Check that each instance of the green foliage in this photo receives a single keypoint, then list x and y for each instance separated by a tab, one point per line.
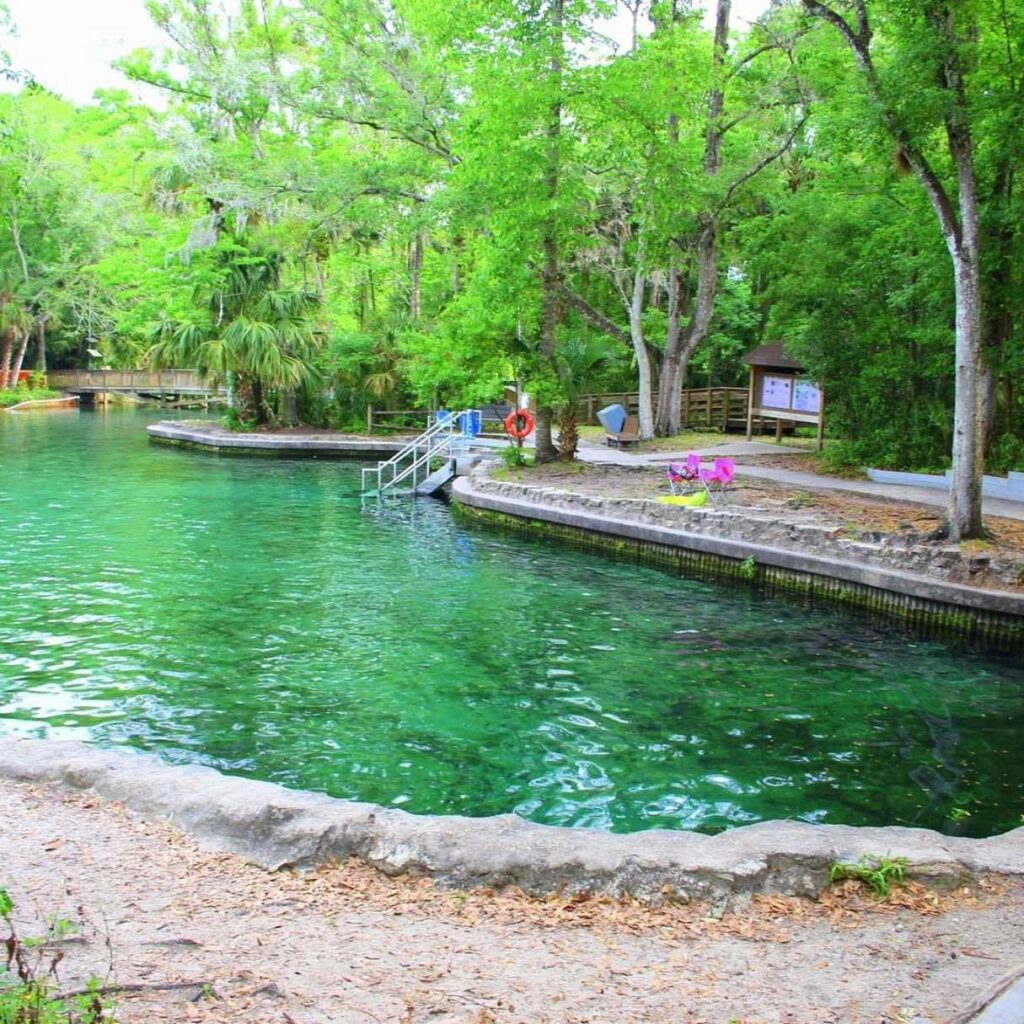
515	457
880	873
250	329
748	568
28	980
373	201
14	396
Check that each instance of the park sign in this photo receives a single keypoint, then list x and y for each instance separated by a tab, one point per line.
780	392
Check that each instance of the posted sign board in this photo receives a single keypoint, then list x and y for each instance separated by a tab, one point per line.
783	395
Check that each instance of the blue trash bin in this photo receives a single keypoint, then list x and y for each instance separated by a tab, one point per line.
612	418
469	423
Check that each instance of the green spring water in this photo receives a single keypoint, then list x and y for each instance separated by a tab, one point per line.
258	616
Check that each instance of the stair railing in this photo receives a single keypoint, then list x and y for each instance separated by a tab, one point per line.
444	439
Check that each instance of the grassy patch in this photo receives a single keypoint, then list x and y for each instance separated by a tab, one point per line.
685	441
28	982
15	396
878	873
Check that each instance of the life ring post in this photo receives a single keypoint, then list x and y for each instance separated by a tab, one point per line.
520	424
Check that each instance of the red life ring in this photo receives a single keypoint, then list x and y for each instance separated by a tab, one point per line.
519	424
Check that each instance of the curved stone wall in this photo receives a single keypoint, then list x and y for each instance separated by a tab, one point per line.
277	827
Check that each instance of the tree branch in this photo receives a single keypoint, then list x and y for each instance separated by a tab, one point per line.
759	166
859	42
593	316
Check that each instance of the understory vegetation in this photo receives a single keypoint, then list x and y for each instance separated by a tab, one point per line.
345	203
29	979
24	393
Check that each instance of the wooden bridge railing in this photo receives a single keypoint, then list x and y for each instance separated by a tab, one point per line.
169	381
701	407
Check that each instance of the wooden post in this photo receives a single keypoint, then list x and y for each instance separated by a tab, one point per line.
369	419
778	430
750	406
821	420
686	407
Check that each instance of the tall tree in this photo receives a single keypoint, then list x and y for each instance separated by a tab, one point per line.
949	30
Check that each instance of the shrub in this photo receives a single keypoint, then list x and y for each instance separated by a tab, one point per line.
28	993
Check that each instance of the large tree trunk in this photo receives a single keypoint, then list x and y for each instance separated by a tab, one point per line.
680	346
965	519
568	434
290	408
959	223
645	410
19	357
551	312
6	347
41	344
246	401
666	420
259	401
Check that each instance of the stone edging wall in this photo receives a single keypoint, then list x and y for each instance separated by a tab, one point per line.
785	556
277	827
295	445
42	404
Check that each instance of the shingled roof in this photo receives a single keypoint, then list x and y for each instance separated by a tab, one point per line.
772	354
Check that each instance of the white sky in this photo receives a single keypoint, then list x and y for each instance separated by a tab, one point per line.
68	45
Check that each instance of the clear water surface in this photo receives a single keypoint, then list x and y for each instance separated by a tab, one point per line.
256	615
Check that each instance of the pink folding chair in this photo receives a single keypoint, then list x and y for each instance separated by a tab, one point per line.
684	476
718	477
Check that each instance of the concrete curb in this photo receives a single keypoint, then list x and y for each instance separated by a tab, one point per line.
1007	488
43	404
917	587
277	827
295	444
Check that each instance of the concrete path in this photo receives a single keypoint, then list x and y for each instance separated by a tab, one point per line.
592	451
597	455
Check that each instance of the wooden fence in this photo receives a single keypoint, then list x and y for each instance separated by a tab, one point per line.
410	421
701	407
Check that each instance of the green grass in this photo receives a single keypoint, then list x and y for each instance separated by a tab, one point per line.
15	396
680	442
880	873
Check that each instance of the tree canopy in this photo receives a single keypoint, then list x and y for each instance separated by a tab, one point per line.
451	196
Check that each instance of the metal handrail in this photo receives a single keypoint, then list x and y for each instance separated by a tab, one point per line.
443	437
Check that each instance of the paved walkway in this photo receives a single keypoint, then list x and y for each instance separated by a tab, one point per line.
598	455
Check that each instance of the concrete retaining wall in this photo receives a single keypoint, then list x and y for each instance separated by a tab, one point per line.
293	445
717	542
277	827
44	404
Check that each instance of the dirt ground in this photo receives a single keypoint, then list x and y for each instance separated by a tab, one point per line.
857	515
147	907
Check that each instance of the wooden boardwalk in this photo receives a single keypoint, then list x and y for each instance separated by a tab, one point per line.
139	382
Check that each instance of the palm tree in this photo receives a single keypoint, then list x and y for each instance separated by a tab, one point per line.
252	330
577	363
15	324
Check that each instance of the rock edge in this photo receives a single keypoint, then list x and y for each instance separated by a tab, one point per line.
276	827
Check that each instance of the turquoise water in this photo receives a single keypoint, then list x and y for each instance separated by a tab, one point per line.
256	616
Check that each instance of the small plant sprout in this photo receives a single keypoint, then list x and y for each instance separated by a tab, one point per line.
29	992
880	873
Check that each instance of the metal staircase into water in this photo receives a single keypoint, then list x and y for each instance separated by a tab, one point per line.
443	441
